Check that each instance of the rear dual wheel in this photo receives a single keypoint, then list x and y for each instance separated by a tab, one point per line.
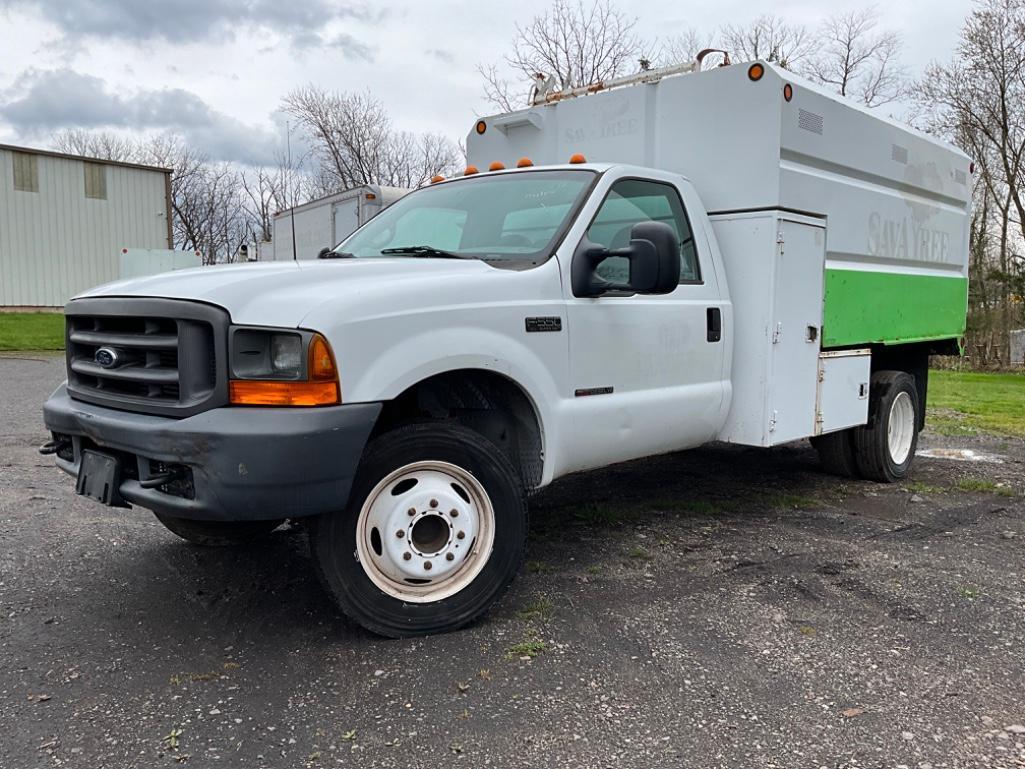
433	534
884	448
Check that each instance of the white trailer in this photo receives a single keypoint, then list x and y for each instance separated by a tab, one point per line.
728	255
327	221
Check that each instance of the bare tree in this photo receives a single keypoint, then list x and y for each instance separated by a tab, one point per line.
978	101
97	144
857	59
577	44
354	143
680	48
770	38
267	191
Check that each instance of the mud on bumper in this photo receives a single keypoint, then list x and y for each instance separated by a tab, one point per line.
227	463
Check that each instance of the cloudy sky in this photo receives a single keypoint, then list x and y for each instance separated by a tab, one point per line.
215	70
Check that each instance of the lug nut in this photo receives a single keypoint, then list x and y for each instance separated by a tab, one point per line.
450	556
454	513
400	533
461	535
411	512
434	503
427	565
406	556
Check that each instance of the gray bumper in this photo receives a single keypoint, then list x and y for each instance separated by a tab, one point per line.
245	463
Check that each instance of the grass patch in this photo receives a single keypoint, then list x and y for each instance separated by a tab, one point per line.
696	506
793	502
541	610
962	403
31	331
602	515
530	647
915	487
639	553
985	486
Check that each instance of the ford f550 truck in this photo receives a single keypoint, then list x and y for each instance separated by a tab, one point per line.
729	255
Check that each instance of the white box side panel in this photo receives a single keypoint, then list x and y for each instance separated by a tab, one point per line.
843	390
56	242
747	243
796	327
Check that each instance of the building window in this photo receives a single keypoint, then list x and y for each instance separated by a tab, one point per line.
26	172
95	181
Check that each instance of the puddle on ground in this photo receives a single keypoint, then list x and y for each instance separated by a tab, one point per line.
961	455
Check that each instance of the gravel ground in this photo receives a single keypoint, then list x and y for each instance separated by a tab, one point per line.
722	607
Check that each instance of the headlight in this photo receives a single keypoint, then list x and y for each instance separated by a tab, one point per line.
272	367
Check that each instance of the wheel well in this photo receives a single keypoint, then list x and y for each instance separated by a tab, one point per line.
489	403
912	359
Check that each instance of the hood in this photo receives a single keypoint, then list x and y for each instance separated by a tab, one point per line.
283	293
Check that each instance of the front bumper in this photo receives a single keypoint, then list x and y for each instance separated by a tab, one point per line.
242	463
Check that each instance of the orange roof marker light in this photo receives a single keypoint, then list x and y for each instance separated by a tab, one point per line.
524	163
755	72
496	166
470	171
436	179
577	158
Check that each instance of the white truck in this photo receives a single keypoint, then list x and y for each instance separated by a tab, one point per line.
304	231
729	255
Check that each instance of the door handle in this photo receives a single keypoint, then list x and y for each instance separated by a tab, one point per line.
714	316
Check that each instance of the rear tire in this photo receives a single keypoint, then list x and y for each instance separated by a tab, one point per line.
885	447
433	533
837	454
218	533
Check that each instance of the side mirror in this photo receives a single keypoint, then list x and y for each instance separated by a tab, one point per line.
324	253
654	254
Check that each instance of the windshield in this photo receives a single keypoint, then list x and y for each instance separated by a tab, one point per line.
515	216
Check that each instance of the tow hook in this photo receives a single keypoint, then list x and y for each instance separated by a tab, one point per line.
54	446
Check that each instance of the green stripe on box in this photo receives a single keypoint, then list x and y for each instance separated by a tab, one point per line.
892	308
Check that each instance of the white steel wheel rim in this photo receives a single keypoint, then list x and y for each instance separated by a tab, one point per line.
425	531
900	431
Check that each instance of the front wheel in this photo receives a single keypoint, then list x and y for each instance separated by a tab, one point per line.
433	533
885	447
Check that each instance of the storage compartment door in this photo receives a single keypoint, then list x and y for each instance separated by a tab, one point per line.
843	390
796	325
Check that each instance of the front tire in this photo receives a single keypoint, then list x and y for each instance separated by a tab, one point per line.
218	533
885	447
433	534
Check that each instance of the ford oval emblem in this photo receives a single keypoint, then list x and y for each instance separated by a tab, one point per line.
107	357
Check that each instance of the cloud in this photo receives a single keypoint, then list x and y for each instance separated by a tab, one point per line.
46	101
443	55
185	21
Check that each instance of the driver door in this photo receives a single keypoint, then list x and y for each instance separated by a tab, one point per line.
645	370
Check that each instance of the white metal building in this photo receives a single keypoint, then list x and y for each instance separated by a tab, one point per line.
325	222
65	221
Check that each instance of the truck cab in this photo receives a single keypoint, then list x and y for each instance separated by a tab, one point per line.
489	333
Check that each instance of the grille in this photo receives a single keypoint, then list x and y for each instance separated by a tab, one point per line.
153	356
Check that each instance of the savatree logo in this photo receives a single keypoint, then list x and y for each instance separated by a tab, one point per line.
610	117
905	239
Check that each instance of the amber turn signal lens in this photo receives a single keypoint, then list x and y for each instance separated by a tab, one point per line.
756	71
321	362
243	392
